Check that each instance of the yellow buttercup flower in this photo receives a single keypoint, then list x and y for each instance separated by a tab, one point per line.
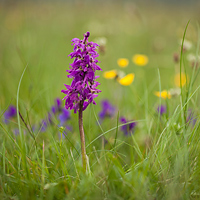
123	62
110	74
127	80
177	78
163	94
140	59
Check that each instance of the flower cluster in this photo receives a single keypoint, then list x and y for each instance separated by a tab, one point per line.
57	115
120	76
83	87
108	111
58	112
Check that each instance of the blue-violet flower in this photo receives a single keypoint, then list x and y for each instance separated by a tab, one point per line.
57	106
191	118
10	113
64	116
161	109
127	128
108	110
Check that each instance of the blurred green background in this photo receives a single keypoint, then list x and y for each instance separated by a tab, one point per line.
39	33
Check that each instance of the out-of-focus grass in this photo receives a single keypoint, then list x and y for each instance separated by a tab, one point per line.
158	159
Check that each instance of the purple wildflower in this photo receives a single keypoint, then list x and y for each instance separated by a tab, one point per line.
64	116
127	128
43	126
108	110
190	118
33	128
49	118
161	109
45	122
83	87
16	131
57	106
10	113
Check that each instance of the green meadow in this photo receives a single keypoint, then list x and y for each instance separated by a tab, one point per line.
158	158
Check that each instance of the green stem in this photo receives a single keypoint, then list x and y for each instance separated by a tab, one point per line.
82	135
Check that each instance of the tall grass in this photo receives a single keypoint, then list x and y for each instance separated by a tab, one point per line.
159	161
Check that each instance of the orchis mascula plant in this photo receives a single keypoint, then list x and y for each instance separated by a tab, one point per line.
82	90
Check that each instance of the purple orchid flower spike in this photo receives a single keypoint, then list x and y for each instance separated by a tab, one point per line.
127	128
83	87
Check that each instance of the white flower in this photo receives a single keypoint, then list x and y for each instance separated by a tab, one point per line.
187	45
192	58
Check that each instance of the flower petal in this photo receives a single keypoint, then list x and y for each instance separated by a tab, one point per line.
163	94
181	82
123	62
110	74
140	59
127	80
